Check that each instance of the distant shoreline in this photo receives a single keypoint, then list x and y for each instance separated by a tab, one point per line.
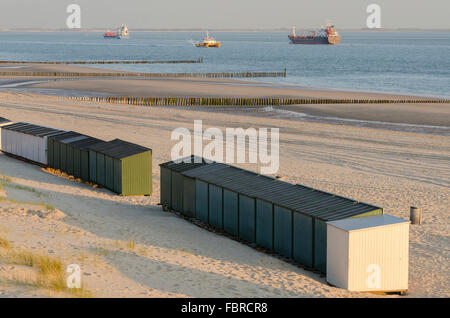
96	30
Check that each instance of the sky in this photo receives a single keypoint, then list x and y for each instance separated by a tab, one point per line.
224	14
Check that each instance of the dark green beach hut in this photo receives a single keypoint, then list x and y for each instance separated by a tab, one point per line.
80	151
178	191
289	219
55	155
309	210
122	167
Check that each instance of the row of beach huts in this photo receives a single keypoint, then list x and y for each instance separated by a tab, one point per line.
122	167
357	246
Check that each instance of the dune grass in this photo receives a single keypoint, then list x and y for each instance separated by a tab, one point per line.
4	243
131	244
50	272
4	179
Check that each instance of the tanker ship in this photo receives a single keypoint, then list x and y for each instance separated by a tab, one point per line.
328	35
122	33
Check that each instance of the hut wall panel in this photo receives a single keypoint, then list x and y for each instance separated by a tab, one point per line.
109	173
70	160
84	165
189	197
64	163
385	246
337	273
215	207
283	231
201	201
177	191
93	166
50	153
101	169
117	176
320	245
264	224
165	187
1	133
27	146
57	155
76	162
137	175
247	218
3	144
230	212
303	239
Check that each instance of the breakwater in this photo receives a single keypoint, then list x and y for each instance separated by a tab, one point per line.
197	61
244	101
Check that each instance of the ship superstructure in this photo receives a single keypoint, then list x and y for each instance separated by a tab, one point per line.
121	33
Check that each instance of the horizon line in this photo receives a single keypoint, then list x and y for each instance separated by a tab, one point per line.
214	29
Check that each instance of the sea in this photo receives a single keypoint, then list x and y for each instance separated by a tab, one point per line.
406	63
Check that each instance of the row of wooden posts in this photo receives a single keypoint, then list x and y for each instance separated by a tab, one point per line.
199	60
154	75
242	101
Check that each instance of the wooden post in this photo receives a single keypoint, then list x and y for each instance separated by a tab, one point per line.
416	215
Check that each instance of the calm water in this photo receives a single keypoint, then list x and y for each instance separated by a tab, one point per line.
402	63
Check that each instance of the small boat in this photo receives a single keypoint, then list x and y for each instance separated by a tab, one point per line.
328	35
208	42
122	33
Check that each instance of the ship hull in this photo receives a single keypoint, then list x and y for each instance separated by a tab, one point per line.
217	45
331	40
117	37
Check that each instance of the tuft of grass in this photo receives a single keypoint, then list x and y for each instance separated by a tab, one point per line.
4	243
25	188
48	207
131	244
101	251
50	270
4	178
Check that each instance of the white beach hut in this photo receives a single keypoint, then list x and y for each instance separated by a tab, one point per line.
368	254
3	122
27	141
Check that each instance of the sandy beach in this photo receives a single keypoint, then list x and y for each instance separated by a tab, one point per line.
129	247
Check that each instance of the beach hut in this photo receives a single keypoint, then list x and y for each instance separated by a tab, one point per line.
286	218
57	156
122	167
80	150
177	191
225	198
3	122
368	254
309	209
28	141
69	152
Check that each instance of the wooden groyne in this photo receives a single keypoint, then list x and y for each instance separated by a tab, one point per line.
243	101
148	75
197	61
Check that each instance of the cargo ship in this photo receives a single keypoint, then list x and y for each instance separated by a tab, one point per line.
208	42
122	33
328	35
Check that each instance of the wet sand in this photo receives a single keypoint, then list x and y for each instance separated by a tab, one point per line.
412	114
348	114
